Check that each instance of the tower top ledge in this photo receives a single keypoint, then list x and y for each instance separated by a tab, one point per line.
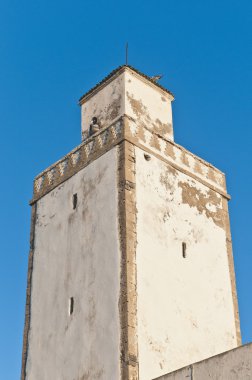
151	143
111	76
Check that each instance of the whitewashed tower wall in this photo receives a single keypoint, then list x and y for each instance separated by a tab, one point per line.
76	256
130	270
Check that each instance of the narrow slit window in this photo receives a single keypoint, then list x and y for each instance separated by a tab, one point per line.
147	157
71	306
75	200
184	250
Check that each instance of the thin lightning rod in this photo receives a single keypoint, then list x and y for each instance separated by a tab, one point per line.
126	53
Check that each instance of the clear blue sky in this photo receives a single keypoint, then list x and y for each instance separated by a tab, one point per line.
51	52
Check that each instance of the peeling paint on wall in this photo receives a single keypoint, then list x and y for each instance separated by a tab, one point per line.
143	117
209	202
148	108
183	301
131	95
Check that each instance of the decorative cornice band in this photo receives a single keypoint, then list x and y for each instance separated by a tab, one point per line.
126	128
77	159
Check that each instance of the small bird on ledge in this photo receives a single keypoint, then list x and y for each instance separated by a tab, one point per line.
156	78
94	126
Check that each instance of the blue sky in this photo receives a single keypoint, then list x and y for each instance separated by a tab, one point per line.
51	52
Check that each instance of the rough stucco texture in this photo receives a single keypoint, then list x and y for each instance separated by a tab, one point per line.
77	255
107	105
129	94
232	365
185	308
148	106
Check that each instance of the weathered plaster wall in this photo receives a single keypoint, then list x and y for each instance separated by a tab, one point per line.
232	365
148	105
184	305
107	105
77	255
178	156
129	93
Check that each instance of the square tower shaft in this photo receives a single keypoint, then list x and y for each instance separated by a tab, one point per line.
131	271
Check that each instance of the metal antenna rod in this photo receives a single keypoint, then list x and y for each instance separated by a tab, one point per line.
126	53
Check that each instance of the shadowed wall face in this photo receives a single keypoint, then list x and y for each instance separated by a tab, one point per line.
75	327
106	105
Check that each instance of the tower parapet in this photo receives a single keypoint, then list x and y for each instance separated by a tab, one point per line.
126	128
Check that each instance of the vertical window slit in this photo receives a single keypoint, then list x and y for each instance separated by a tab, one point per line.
75	199
71	306
184	250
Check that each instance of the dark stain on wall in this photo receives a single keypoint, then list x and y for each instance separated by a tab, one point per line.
91	312
169	151
162	128
93	374
113	110
197	168
167	178
184	158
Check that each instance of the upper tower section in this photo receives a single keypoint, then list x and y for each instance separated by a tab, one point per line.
127	105
128	92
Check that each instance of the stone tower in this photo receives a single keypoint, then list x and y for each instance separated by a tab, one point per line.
130	270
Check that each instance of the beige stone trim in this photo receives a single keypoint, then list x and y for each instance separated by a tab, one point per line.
127	229
28	293
231	270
